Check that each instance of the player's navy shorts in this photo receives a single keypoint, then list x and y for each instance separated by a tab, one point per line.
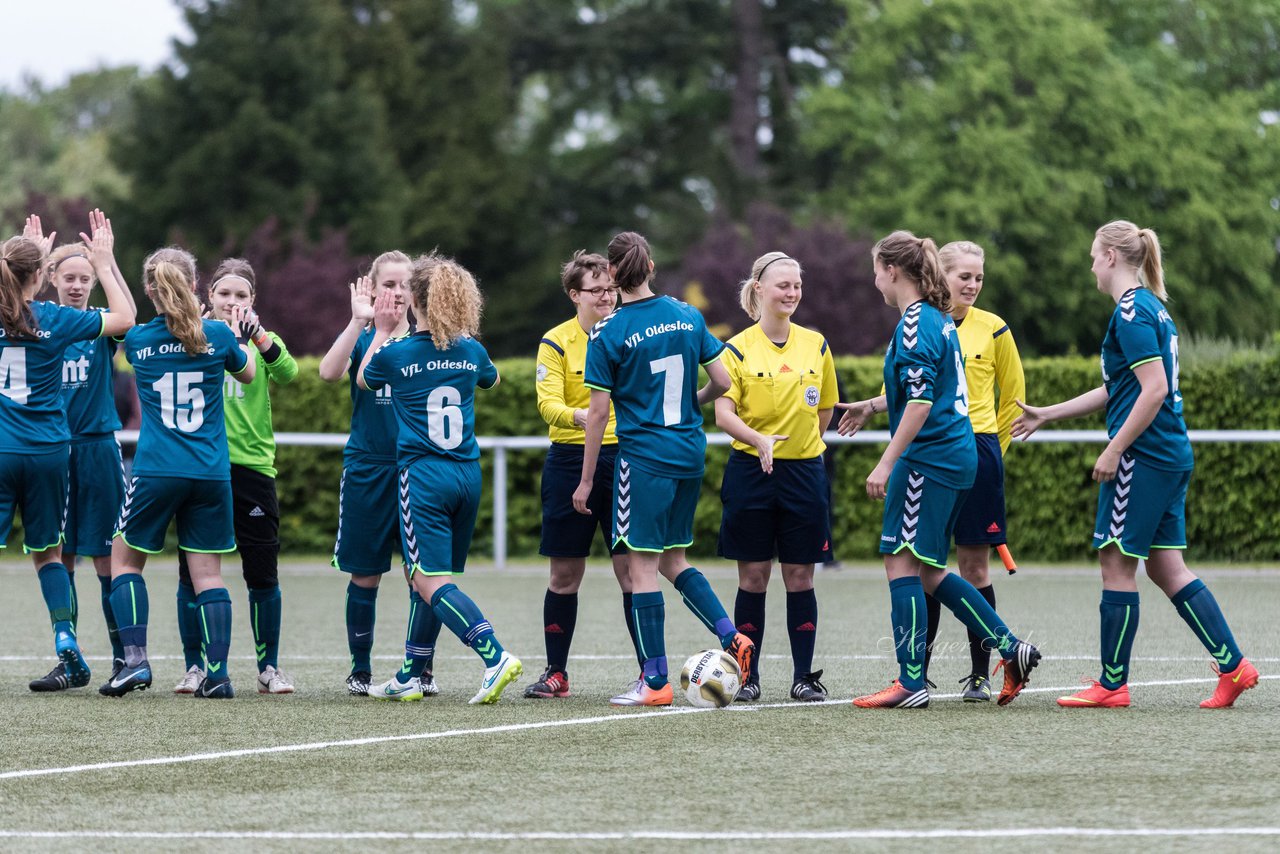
439	500
919	514
1144	508
368	524
96	490
565	531
653	513
36	484
981	521
201	507
781	515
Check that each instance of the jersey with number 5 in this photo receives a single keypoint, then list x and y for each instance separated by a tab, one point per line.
32	416
924	365
434	394
646	355
1142	331
183	433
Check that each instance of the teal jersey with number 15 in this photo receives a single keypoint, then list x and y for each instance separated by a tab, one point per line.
183	433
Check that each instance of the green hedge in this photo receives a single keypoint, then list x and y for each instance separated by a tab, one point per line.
1233	511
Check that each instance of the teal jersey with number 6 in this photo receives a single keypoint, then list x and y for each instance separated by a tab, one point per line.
183	433
32	415
1142	331
646	355
923	365
434	394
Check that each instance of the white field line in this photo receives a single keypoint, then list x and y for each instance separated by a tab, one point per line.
777	656
672	835
614	718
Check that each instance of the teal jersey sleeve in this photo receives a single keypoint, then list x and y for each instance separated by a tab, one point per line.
924	365
1141	331
373	419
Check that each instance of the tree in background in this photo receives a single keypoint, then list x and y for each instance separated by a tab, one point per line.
1022	125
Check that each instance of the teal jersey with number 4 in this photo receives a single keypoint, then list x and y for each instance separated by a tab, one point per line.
32	414
923	365
183	433
646	355
434	394
1142	331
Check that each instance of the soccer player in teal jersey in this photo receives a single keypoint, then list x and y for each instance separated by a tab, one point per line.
96	471
368	526
1143	472
434	374
925	472
644	359
181	469
34	437
256	512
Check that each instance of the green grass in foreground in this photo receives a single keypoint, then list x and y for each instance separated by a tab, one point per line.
1162	764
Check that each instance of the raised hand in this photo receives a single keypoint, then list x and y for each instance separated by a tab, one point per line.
1031	420
362	299
102	242
385	315
33	230
855	416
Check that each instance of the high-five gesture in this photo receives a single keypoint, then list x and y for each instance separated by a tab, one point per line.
362	299
33	230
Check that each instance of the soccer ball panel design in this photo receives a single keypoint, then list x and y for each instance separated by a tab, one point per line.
710	679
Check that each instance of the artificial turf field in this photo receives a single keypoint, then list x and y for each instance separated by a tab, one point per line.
321	770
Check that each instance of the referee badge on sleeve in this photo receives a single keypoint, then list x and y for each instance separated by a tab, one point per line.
811	395
542	372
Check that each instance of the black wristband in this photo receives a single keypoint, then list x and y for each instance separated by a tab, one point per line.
272	355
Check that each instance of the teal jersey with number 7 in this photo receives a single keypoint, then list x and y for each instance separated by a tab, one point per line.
183	433
434	394
1142	331
646	355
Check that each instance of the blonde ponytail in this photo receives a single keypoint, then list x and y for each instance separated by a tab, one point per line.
447	298
748	296
169	276
1140	249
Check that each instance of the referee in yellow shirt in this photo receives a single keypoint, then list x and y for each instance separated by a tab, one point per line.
775	496
991	366
567	534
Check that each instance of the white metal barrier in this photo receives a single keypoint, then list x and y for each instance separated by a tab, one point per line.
500	445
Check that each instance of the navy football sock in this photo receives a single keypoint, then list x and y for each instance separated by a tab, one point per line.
802	626
132	607
1119	613
265	613
457	611
113	634
362	610
1197	607
907	611
189	626
748	617
559	618
214	607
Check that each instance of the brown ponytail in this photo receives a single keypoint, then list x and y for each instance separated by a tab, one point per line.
918	260
631	260
169	276
20	260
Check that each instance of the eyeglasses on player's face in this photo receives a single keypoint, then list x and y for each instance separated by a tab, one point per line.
597	292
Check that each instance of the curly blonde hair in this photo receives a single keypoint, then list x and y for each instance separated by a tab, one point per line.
446	299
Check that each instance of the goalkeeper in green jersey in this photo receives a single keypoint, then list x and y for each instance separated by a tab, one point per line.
252	445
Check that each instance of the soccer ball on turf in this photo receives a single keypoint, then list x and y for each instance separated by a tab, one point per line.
711	679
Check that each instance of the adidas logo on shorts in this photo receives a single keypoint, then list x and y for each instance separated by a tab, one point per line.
256	511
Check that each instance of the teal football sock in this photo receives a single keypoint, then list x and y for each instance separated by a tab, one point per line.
214	607
189	626
1119	613
631	627
113	633
456	610
1197	607
970	608
648	612
362	611
419	639
696	591
907	612
265	613
75	600
55	586
130	604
